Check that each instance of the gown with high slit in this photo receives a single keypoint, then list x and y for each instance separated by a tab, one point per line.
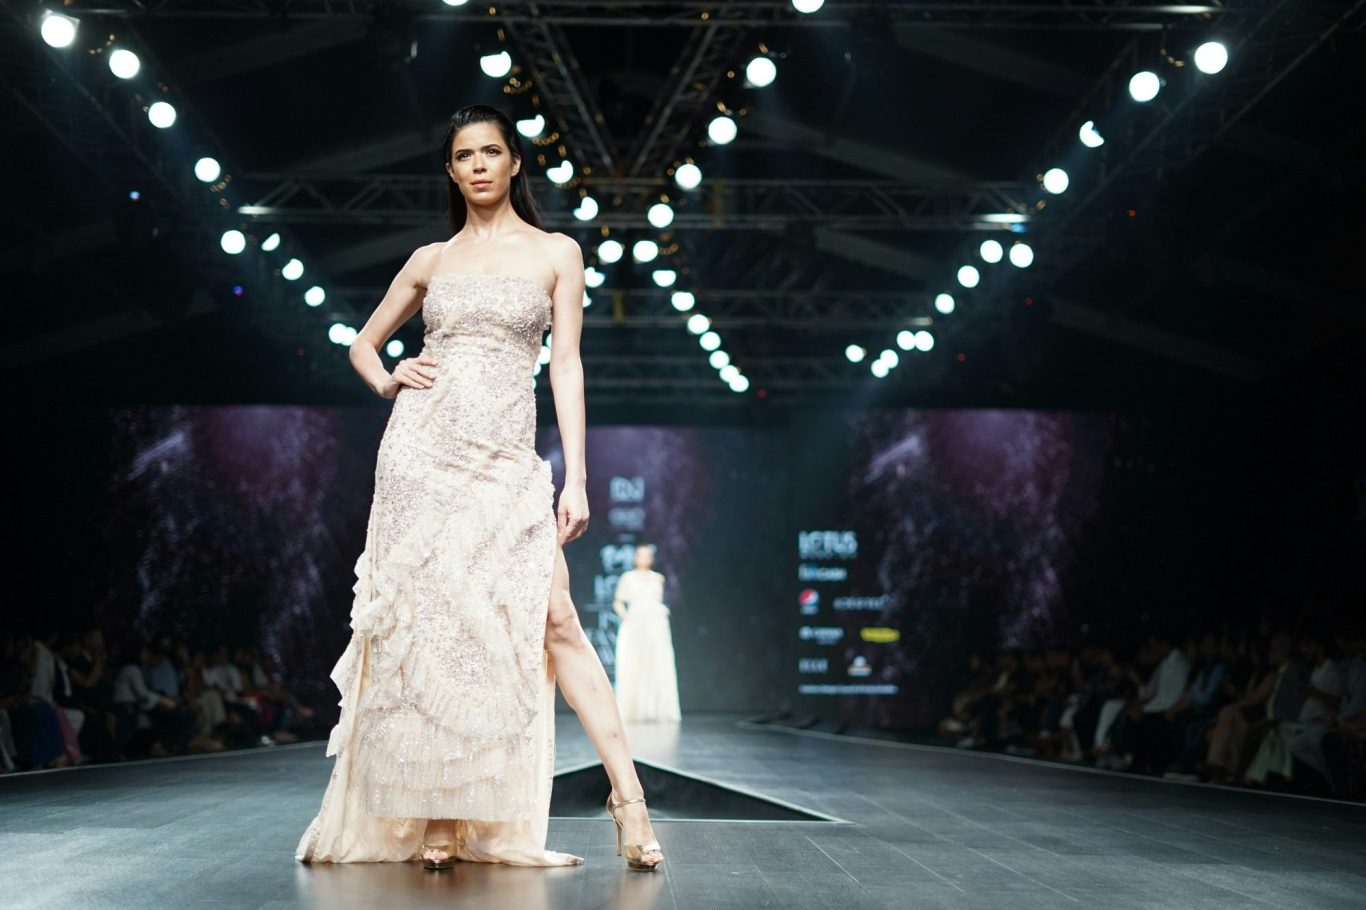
447	690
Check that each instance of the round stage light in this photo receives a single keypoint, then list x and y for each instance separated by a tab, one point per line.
544	356
807	6
609	251
1144	86
1021	255
889	357
697	323
644	250
739	384
905	340
271	243
587	301
124	63
728	373
661	215
664	277
58	30
496	65
1055	180
761	71
1211	57
718	360
991	250
944	303
314	296
855	353
293	270
208	170
394	348
561	174
532	126
688	175
233	242
587	210
969	277
592	277
336	332
1090	136
880	369
710	341
161	114
455	2
924	341
682	300
721	130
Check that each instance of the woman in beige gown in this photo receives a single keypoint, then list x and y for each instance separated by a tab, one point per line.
462	621
647	681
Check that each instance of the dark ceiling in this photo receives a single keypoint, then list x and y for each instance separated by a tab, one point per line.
1208	248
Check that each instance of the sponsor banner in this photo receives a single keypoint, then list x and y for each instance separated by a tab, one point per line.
847	689
879	635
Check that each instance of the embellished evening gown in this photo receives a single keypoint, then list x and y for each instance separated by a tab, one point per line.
447	691
646	680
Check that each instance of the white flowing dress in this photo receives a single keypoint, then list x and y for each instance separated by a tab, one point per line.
646	678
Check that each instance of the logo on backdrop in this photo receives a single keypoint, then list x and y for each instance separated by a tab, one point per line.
627	489
808	572
809	600
821	635
879	635
860	667
848	604
827	544
813	665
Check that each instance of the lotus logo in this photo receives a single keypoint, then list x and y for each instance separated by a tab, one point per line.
860	667
810	601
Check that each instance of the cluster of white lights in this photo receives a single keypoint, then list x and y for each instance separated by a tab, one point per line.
710	341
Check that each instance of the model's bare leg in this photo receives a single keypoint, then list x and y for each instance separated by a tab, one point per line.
588	691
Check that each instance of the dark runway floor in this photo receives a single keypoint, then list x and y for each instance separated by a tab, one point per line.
914	827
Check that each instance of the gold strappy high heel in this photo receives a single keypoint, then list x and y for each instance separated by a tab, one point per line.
634	852
438	864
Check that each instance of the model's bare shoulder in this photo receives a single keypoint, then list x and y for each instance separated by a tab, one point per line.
422	263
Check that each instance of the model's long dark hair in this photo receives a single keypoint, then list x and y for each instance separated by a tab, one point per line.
523	203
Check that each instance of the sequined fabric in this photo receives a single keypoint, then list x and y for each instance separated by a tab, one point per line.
447	692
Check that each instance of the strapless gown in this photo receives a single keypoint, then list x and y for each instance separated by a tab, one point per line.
646	678
447	691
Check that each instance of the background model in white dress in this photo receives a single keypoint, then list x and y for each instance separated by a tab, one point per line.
646	683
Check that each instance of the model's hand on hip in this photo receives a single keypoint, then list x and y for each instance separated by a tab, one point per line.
573	513
414	372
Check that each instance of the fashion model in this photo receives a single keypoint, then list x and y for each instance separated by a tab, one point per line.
462	622
647	681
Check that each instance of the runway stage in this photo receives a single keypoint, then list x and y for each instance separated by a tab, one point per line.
895	826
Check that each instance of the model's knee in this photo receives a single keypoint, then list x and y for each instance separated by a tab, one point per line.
562	621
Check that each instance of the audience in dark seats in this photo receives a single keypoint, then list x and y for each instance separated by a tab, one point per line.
63	701
1284	713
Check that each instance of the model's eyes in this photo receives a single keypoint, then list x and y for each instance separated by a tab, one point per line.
462	155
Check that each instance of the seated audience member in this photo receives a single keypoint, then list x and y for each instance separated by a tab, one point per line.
1151	736
92	682
1193	715
1322	697
31	724
1334	750
243	726
1240	725
137	708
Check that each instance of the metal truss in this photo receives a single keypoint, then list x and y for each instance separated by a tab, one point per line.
707	14
721	205
1267	40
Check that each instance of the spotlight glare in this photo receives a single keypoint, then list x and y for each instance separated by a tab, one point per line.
587	301
58	30
293	270
880	369
544	356
924	341
592	277
394	348
968	276
1021	255
710	341
208	170
761	71
314	296
271	243
718	360
496	65
532	126
855	353
1144	86
233	242
682	300
336	332
721	130
688	175
1211	57
161	114
944	303
728	373
889	357
991	250
905	339
561	173
661	215
1090	135
587	210
1055	180
664	277
807	6
739	384
124	63
609	251
697	323
455	2
644	250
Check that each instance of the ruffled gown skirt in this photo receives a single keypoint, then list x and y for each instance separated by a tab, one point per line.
646	679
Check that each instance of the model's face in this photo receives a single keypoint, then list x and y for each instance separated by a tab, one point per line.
645	557
481	164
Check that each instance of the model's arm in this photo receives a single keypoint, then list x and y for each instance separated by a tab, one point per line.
566	383
622	594
400	302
